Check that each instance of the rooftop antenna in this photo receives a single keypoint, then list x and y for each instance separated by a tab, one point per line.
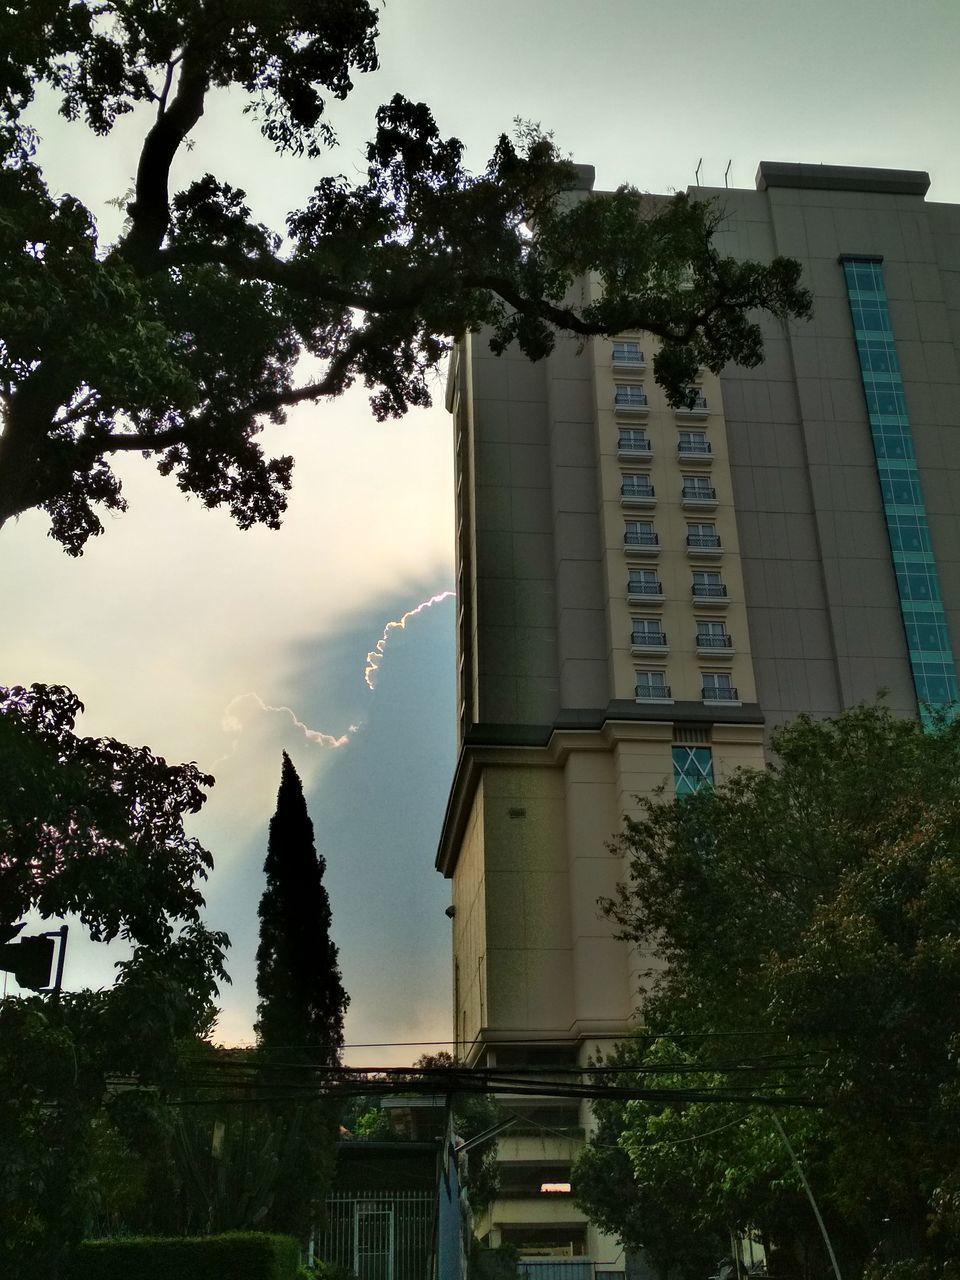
696	176
726	173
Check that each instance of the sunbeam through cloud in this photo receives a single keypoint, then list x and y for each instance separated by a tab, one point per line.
231	722
375	656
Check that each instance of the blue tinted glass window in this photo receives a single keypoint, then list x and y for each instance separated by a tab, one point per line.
931	657
692	769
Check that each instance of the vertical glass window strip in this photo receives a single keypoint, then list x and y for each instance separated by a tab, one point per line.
692	769
931	658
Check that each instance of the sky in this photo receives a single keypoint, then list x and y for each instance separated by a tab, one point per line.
227	648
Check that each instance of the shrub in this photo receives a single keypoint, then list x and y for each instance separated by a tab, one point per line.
240	1255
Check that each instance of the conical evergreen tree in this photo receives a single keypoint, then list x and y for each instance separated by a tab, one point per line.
300	1013
302	1000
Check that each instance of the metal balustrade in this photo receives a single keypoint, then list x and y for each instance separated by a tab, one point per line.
649	639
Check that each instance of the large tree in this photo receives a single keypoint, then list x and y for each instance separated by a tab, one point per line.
92	827
300	1014
182	337
807	917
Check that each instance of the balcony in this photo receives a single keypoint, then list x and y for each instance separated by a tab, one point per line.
698	496
631	400
636	495
710	593
703	544
648	642
628	356
723	693
698	409
641	544
633	444
694	451
653	693
715	646
644	592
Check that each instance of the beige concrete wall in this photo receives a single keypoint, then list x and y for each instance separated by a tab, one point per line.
678	613
470	930
528	930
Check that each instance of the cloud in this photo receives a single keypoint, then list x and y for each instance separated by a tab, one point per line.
375	656
233	723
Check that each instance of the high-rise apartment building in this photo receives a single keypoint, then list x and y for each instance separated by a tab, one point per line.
645	592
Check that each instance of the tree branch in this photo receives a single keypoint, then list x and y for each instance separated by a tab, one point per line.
150	210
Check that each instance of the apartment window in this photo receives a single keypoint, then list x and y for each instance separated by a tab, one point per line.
718	687
652	686
707	584
636	486
626	351
643	582
639	533
712	635
693	442
647	631
632	440
692	769
698	486
702	534
630	395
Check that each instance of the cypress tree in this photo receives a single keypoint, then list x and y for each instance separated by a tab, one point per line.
302	1000
300	1011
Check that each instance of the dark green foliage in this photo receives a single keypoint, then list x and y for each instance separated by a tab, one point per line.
492	1264
236	1256
302	1000
806	917
181	338
95	827
302	1003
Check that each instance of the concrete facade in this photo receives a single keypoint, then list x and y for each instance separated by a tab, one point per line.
644	591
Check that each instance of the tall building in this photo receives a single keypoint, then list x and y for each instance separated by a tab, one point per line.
645	592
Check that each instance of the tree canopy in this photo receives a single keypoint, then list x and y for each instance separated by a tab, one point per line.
181	338
806	920
92	827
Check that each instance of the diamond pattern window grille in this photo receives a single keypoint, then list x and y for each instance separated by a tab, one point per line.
692	769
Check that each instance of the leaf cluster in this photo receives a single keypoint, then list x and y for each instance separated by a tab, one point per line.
92	826
807	914
179	341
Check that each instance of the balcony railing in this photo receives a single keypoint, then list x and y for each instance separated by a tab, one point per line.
648	639
641	539
652	692
632	399
699	405
709	591
698	493
706	541
694	448
628	442
644	588
625	357
723	693
638	492
714	642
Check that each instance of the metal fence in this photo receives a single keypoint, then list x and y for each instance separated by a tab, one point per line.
563	1269
380	1235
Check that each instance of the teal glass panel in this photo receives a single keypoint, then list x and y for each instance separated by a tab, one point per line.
692	769
928	644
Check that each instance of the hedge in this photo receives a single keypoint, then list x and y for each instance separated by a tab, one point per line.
239	1255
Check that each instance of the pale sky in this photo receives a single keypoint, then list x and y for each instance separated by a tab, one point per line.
177	630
